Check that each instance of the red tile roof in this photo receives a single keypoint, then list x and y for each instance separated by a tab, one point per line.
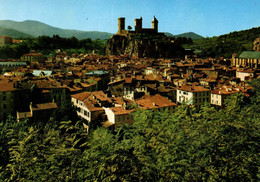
44	106
154	102
6	85
193	88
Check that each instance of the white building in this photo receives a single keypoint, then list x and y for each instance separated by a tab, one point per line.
193	95
150	70
219	95
243	74
90	105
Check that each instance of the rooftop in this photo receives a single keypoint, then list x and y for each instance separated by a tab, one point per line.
250	55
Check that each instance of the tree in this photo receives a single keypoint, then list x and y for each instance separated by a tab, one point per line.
129	28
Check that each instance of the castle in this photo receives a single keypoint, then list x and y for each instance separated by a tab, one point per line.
138	27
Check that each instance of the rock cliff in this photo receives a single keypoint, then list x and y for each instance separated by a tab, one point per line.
144	45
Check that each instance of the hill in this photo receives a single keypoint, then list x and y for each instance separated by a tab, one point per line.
13	33
191	35
227	44
36	28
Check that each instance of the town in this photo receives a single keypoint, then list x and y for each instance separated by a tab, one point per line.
129	91
107	89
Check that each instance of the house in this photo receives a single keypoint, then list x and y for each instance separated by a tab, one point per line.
42	73
243	74
193	95
89	105
116	87
116	116
150	70
219	95
100	77
156	102
38	112
33	57
7	98
5	40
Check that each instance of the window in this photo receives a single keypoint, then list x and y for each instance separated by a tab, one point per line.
4	106
4	98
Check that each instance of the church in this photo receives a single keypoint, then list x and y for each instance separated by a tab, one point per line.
248	59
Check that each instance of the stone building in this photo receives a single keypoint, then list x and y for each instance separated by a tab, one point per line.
5	40
249	59
138	27
33	57
257	44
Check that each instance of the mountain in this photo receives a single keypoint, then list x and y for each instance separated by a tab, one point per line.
36	28
192	35
168	34
12	33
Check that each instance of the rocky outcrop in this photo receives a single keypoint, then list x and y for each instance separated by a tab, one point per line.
144	45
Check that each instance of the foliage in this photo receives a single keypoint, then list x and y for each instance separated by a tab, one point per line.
46	45
226	45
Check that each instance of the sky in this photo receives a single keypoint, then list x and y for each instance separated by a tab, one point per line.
204	17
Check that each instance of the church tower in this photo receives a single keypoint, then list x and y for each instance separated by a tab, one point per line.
155	24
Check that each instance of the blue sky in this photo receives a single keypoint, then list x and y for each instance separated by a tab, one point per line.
204	17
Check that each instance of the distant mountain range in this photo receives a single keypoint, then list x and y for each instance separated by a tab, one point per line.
12	33
30	28
192	35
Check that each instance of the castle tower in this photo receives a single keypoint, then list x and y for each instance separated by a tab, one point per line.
138	25
155	24
121	24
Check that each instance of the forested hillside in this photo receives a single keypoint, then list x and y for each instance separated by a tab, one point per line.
226	45
186	145
48	46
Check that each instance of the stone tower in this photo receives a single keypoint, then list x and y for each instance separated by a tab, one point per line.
121	24
257	44
138	25
155	24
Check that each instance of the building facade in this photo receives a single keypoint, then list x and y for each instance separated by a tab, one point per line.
193	95
5	40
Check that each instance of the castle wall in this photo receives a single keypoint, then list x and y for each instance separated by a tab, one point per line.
138	27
